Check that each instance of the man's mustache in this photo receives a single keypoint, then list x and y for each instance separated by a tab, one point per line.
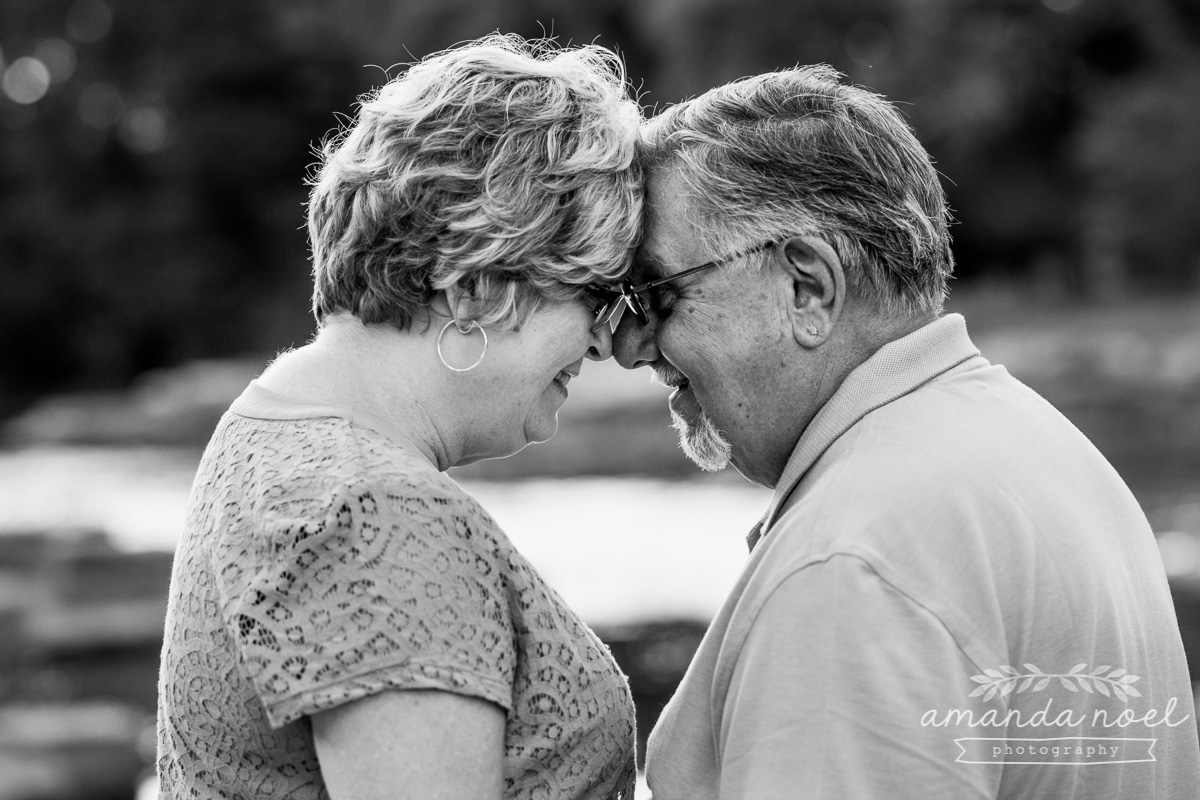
667	375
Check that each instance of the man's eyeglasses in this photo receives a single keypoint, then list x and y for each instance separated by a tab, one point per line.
610	298
607	302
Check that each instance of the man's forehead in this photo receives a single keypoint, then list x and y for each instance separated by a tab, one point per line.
647	265
668	237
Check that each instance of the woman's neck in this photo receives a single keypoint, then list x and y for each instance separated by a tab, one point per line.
379	370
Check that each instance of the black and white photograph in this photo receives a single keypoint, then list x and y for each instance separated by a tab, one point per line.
609	400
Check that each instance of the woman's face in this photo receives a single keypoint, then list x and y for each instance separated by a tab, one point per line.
526	374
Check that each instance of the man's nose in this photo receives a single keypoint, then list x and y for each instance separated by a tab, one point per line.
634	345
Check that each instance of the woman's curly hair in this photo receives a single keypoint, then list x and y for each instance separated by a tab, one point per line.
504	166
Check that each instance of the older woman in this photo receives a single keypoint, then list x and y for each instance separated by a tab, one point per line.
344	620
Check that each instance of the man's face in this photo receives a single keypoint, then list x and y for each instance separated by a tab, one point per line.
715	335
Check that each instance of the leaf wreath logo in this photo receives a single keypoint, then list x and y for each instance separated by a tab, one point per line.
1002	681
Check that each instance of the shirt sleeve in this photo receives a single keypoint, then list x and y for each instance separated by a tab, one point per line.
831	689
369	589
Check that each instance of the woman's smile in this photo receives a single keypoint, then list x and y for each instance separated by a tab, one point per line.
563	378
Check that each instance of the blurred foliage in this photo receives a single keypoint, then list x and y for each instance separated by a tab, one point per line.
151	201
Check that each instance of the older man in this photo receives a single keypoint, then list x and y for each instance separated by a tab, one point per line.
952	593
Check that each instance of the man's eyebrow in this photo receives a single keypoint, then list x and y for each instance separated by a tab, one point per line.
647	266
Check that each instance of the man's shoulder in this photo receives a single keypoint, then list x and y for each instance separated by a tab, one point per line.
976	403
971	426
970	468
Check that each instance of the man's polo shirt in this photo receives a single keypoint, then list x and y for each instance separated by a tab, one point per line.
953	597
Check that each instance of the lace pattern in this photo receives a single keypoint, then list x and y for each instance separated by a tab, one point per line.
322	563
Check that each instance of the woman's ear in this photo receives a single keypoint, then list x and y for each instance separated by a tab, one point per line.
816	291
457	302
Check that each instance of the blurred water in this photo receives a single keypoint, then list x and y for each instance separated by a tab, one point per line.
619	550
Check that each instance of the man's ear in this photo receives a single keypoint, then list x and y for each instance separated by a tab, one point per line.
816	292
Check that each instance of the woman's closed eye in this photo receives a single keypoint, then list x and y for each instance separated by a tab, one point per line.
602	301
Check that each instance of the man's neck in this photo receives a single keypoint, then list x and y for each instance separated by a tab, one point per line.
858	336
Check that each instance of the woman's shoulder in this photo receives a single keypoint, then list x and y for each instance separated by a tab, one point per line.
335	441
324	456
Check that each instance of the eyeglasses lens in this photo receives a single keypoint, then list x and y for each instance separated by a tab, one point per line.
634	302
607	302
603	313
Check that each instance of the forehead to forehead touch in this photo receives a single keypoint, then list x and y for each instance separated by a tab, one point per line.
669	235
647	266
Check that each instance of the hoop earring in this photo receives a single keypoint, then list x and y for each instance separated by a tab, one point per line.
473	326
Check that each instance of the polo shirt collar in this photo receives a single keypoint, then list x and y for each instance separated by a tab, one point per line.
893	371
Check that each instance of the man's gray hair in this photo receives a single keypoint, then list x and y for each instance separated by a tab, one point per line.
797	152
502	166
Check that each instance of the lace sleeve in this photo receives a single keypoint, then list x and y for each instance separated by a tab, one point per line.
364	590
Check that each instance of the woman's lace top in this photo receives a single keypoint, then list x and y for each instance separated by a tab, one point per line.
323	562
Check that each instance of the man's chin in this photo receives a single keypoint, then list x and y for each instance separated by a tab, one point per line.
706	446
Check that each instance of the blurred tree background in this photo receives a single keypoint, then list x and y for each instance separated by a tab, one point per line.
152	154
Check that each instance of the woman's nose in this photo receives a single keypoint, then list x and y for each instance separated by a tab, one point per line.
602	343
634	344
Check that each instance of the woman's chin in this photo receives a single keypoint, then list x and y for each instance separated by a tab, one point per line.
541	430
